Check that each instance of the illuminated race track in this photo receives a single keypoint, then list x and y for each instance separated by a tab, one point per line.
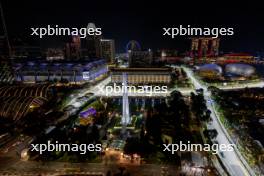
233	160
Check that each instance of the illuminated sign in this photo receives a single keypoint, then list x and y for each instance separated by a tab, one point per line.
87	113
86	75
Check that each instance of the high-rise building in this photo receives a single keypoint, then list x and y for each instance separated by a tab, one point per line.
93	44
204	46
73	48
108	50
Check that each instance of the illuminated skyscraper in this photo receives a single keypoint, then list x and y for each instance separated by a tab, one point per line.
93	44
73	48
204	46
108	50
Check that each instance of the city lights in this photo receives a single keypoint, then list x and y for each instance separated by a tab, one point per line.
131	88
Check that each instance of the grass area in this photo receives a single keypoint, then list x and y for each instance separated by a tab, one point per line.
131	125
183	84
246	152
96	105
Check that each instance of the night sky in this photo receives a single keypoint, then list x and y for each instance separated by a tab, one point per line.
141	21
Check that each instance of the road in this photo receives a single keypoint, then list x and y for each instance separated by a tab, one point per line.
93	89
185	91
242	86
138	93
233	161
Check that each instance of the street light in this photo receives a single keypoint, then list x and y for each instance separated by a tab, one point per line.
24	155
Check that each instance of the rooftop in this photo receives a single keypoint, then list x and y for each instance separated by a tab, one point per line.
140	69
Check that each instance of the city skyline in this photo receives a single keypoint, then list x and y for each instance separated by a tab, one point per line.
130	88
138	21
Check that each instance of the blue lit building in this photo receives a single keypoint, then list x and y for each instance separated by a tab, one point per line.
76	72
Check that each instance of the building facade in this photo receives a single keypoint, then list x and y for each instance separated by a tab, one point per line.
108	50
93	44
142	75
73	49
75	72
237	57
140	58
204	47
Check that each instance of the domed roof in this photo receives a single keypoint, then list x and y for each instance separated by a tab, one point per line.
210	67
240	69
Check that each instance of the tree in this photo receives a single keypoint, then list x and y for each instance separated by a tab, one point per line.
212	134
207	116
